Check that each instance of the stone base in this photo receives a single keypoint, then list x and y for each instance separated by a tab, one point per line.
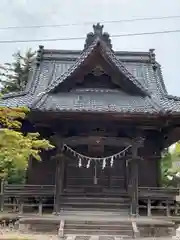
39	225
156	231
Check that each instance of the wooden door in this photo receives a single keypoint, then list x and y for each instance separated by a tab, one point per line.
111	177
95	179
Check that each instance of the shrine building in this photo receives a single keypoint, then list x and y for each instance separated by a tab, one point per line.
109	115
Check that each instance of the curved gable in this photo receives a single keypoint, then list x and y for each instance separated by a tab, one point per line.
100	54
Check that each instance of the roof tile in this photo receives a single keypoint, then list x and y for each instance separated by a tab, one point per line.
51	72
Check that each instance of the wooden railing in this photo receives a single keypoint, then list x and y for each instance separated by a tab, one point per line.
158	193
17	197
28	190
161	199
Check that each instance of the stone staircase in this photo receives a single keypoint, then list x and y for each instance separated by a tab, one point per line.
101	228
96	216
81	227
120	205
87	216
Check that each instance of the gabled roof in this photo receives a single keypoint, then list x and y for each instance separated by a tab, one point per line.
105	52
55	66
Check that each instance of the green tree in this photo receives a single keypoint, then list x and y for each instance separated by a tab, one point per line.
14	76
170	164
16	148
166	165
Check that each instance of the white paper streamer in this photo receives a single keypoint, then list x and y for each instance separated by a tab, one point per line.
88	164
80	162
89	159
112	161
104	163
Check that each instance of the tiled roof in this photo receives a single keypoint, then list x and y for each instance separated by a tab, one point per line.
170	104
96	101
104	51
50	70
18	101
57	65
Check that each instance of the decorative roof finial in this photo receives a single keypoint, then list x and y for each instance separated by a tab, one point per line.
98	29
152	57
98	32
39	55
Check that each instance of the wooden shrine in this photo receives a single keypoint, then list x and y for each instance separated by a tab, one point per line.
108	114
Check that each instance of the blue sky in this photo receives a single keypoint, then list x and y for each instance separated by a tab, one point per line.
40	12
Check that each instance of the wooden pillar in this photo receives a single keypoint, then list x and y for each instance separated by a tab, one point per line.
149	207
59	182
133	180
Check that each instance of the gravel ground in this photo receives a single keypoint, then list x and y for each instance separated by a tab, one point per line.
12	235
9	236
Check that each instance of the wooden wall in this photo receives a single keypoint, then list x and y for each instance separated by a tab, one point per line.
42	172
149	168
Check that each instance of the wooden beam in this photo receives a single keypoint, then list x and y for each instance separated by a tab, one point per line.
109	141
140	118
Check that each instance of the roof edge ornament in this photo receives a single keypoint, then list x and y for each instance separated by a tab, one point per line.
39	56
152	57
98	33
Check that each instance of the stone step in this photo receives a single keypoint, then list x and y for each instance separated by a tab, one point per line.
98	227
96	237
114	205
89	232
93	211
111	203
43	227
124	223
97	205
96	199
96	196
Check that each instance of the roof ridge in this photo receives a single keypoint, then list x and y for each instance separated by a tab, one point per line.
64	75
172	97
111	56
122	68
14	94
157	106
28	87
85	53
161	78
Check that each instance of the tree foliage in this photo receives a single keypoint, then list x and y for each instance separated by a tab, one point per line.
14	76
16	147
170	165
166	164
